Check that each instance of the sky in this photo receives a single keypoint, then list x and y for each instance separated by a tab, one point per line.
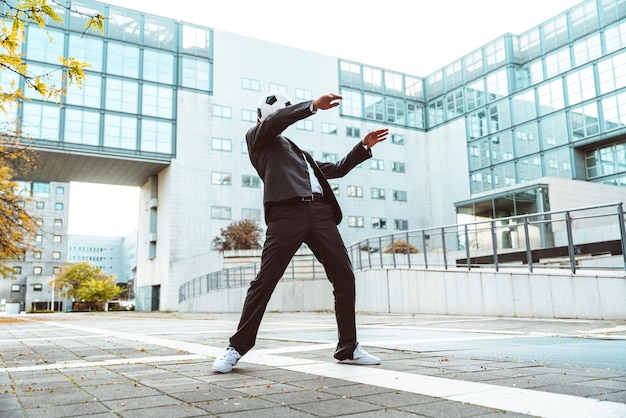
416	37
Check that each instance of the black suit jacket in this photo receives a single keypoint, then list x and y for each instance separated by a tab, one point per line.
280	164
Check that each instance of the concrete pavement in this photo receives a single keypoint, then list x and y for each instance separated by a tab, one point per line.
134	364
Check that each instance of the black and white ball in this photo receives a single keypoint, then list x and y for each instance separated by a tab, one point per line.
270	103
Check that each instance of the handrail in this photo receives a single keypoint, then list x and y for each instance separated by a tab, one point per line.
557	239
241	275
561	239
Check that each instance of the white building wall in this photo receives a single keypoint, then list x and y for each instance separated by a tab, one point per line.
436	165
185	227
484	292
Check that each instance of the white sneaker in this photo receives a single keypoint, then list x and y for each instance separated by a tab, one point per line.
225	363
361	357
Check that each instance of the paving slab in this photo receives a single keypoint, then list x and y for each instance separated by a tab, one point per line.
136	364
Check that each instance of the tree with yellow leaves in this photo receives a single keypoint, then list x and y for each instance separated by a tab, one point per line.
17	226
86	283
19	14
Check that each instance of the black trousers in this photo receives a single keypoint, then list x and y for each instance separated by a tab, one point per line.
289	224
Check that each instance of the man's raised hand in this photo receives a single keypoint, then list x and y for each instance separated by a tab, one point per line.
326	101
374	137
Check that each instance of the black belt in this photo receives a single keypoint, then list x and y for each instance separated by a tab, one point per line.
312	198
315	197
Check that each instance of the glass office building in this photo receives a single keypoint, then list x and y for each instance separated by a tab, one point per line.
503	130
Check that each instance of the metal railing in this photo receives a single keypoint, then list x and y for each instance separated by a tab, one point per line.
590	237
301	266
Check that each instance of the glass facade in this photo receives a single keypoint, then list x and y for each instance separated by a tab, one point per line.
127	104
527	100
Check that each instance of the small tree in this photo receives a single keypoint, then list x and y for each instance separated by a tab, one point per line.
85	282
239	235
96	291
399	246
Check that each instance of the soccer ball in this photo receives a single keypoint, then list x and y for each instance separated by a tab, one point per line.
270	103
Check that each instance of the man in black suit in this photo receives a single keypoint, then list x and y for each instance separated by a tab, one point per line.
300	207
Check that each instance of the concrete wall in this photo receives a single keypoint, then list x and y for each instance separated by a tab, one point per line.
550	294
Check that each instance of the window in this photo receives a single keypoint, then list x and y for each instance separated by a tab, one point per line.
56	270
56	255
584	120
40	205
396	112
614	111
41	121
58	206
557	62
279	88
37	255
244	147
355	191
222	111
60	190
156	136
223	179
158	66
401	224
17	269
335	188
303	94
15	288
377	193
612	73
252	214
248	115
157	101
399	196
120	131
37	270
40	47
122	95
250	84
397	167
39	221
374	107
38	238
353	132
221	212
221	144
196	41
329	157
37	287
551	96
376	164
58	222
435	113
397	139
57	238
355	221
329	128
580	86
351	103
379	223
304	125
196	74
248	180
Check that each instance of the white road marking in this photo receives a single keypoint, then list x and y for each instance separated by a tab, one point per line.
525	401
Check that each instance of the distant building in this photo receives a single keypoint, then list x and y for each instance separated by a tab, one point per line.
29	288
116	256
